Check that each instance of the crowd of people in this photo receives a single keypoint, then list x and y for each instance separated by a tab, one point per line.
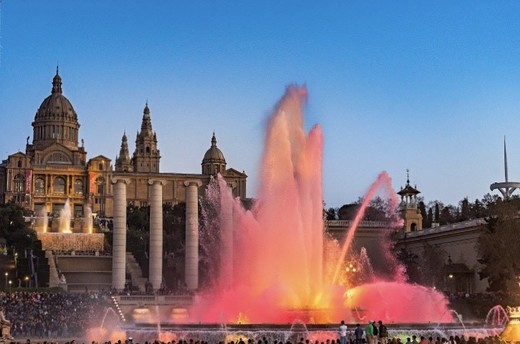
44	315
51	315
378	333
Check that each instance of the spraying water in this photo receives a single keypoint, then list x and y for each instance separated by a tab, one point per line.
42	220
266	264
65	216
87	217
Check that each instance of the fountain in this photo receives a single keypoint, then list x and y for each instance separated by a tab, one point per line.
87	220
61	238
497	316
511	333
267	263
111	332
271	272
42	220
65	216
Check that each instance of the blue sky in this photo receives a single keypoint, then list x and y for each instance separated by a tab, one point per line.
432	86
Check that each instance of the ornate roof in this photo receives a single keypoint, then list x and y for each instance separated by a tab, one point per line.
56	107
213	154
408	190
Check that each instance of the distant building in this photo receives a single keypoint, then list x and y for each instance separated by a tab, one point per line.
454	245
54	168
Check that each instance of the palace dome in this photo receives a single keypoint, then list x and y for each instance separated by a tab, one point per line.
56	106
213	154
214	161
55	120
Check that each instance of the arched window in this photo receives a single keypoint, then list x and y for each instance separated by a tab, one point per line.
39	186
413	227
78	187
147	150
59	185
19	163
100	182
19	183
100	166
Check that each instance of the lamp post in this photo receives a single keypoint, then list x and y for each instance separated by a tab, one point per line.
451	283
10	282
26	281
6	274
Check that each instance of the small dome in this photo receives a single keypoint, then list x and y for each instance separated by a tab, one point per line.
213	154
56	106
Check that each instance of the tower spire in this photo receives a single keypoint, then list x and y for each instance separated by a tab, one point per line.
506	187
505	159
56	82
213	140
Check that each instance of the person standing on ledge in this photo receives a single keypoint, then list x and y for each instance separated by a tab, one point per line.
343	332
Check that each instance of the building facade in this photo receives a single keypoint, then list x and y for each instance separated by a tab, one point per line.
55	169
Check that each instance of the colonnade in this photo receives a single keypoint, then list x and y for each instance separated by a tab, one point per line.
156	231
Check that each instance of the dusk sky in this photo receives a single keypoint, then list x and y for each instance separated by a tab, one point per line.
432	86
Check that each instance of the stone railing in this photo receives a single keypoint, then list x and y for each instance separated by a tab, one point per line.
366	224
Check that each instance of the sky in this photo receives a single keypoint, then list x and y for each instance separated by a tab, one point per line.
429	86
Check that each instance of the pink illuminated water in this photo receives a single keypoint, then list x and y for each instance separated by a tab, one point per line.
267	264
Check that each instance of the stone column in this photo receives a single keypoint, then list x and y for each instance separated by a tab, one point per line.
156	233
226	237
191	270
119	233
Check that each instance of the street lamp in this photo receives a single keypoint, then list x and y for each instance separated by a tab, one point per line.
6	274
10	282
26	281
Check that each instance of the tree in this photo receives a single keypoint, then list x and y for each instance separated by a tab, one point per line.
13	227
498	247
138	218
448	215
422	209
430	218
465	210
478	209
437	213
348	211
331	214
411	263
432	263
174	225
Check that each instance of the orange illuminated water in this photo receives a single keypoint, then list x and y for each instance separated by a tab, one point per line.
267	264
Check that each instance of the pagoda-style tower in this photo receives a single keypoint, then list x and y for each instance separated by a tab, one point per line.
123	161
412	216
146	155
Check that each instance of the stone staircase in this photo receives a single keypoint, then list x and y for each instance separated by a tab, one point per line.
89	272
136	275
54	278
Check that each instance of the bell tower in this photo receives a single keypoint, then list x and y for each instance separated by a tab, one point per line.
411	214
123	161
146	155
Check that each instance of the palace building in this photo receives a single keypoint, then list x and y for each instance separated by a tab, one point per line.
54	167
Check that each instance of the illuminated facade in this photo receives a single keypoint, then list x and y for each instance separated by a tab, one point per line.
54	168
